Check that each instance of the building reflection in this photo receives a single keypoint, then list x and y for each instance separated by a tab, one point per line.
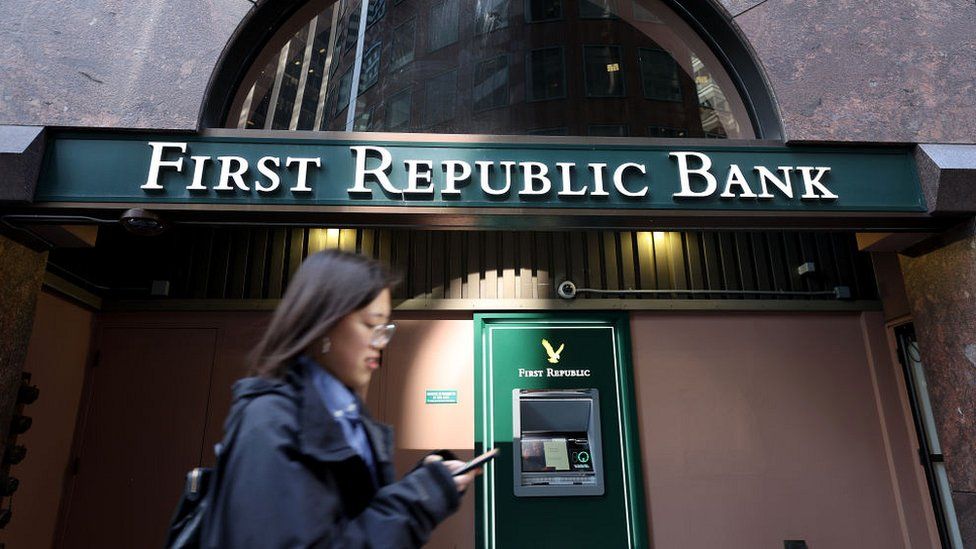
504	67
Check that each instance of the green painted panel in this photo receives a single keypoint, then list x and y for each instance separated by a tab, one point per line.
508	348
84	167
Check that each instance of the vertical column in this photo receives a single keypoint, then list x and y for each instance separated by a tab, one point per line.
21	273
941	285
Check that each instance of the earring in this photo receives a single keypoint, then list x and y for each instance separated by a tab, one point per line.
326	345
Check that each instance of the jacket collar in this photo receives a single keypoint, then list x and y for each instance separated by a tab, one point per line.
320	435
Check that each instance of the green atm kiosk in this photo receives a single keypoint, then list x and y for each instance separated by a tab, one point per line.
554	392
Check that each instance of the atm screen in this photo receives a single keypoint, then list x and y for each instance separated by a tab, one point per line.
556	452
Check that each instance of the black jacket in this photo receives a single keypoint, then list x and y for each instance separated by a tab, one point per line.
291	480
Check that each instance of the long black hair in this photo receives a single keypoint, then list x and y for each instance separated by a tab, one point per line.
328	286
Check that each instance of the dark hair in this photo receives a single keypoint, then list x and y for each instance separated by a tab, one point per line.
328	286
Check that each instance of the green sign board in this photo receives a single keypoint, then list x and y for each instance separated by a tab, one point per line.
280	169
554	393
439	396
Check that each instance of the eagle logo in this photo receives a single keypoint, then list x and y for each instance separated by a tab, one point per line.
553	355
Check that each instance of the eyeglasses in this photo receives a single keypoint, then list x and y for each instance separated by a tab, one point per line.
381	335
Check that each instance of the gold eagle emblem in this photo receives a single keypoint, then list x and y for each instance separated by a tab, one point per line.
553	355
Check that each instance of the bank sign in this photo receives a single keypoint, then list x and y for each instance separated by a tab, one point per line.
529	173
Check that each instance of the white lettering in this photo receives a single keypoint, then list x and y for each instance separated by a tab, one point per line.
535	172
301	185
157	162
416	174
766	177
736	179
380	172
598	189
566	170
452	177
484	169
618	179
198	164
684	172
810	182
267	172
227	173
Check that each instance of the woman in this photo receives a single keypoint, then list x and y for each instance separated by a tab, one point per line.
307	467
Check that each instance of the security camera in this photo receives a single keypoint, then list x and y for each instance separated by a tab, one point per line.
142	222
566	290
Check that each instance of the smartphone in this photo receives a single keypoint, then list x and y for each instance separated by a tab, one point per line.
477	462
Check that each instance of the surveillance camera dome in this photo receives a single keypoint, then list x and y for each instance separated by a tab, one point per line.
566	289
142	222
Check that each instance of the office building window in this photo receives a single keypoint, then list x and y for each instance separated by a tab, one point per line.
440	98
352	30
365	121
608	130
403	43
370	71
659	74
490	15
603	72
375	12
398	112
443	29
664	131
490	86
543	10
598	9
343	91
546	70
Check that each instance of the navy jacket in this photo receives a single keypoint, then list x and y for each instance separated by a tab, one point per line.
291	480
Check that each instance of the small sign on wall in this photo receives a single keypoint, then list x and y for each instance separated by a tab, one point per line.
441	396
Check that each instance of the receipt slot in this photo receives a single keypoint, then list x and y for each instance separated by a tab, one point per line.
557	447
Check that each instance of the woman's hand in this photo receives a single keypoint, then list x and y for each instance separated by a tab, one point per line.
461	482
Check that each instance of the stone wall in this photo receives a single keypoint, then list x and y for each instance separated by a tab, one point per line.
21	273
840	71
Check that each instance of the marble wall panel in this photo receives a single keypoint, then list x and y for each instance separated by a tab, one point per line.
849	70
112	63
941	287
21	272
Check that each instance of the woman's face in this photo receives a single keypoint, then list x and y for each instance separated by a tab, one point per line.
352	358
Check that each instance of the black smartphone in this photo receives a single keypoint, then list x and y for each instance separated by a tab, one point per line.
477	462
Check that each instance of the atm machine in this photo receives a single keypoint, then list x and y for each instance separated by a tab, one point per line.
568	472
557	447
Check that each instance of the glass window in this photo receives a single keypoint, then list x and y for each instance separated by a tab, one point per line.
604	74
398	112
546	74
402	47
659	74
365	121
490	15
543	10
608	130
345	87
290	76
352	30
316	72
375	12
641	13
664	131
490	87
440	98
370	71
598	9
560	73
443	25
